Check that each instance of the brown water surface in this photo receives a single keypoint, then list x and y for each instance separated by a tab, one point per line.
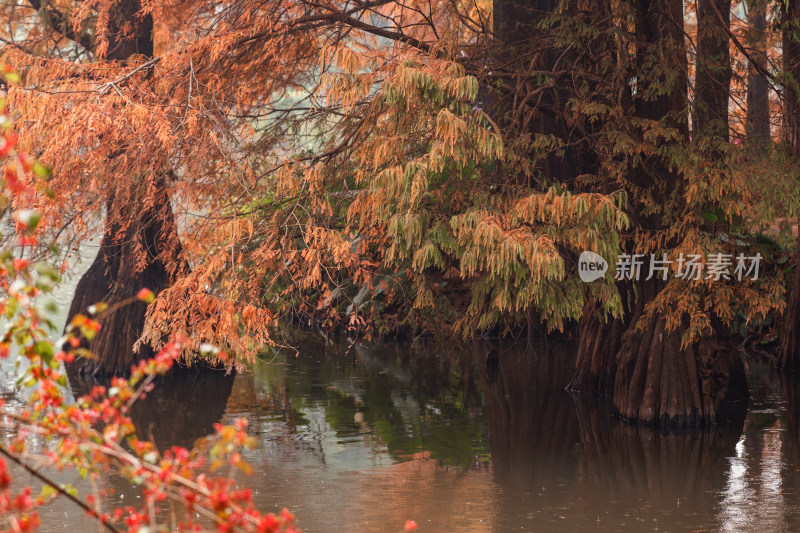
362	440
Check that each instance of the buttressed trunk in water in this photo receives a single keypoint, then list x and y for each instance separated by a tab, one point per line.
660	383
599	342
140	246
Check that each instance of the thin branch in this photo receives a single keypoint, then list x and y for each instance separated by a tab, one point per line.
761	69
50	483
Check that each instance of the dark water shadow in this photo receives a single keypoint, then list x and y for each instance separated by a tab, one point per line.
183	406
565	461
532	423
789	421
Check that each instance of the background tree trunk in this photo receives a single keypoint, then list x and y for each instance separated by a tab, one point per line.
757	127
516	24
713	80
599	342
520	36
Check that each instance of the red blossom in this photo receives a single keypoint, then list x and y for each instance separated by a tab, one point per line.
7	142
5	479
145	295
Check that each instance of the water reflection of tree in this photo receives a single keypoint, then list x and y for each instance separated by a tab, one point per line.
678	474
790	448
532	425
568	462
389	398
182	407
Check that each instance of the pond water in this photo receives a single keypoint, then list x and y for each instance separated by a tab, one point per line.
362	438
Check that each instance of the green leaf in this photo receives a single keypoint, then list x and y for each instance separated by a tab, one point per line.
89	333
709	216
48	271
70	489
47	492
41	170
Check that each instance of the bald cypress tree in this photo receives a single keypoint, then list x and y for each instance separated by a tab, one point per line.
662	378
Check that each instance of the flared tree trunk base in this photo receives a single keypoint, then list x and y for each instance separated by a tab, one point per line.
659	383
598	344
112	347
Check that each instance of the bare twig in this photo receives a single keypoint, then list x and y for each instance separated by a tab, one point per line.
50	483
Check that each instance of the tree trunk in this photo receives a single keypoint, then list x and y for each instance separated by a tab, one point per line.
757	127
790	343
516	24
514	21
713	81
660	383
598	344
791	68
790	338
141	254
516	27
140	246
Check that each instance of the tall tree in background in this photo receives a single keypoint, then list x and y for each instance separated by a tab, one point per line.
546	31
140	246
713	70
758	115
600	333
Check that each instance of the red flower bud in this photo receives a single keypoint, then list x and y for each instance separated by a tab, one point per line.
145	295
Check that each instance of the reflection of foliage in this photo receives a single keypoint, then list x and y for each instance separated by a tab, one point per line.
412	402
762	421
